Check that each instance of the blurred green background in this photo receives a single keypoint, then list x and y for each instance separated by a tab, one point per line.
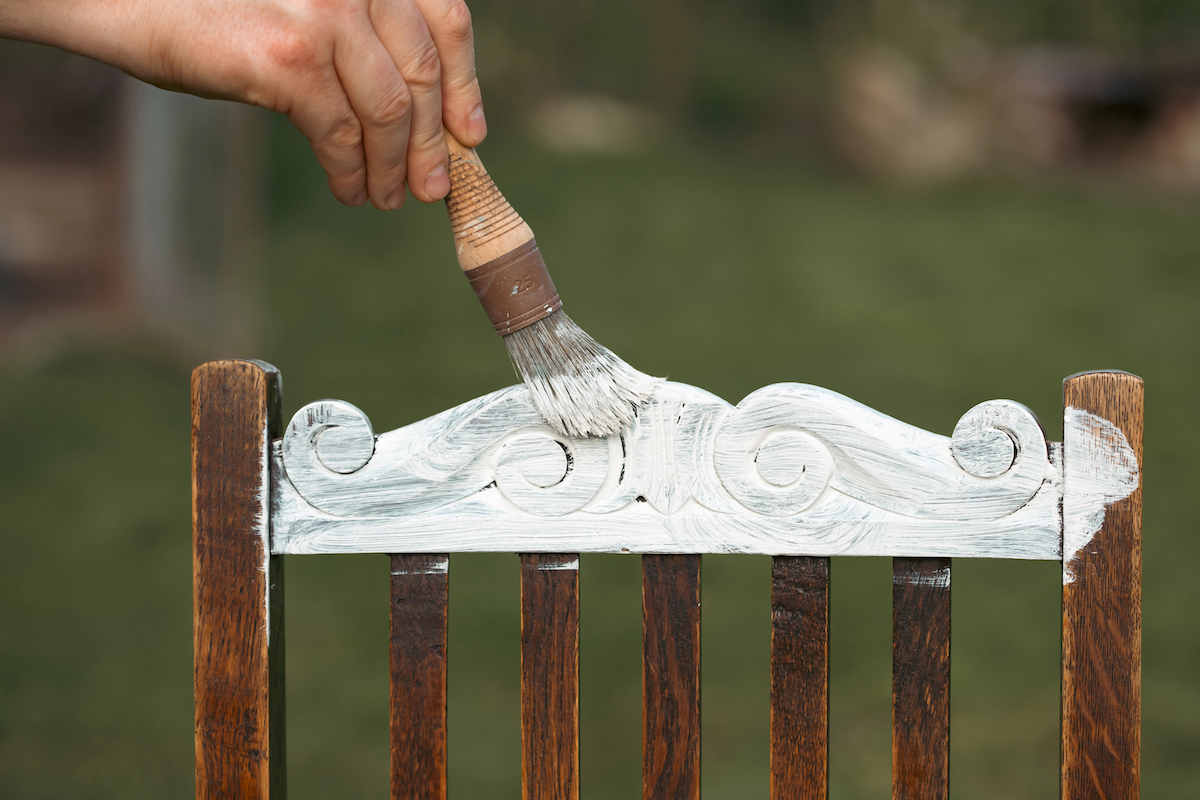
731	243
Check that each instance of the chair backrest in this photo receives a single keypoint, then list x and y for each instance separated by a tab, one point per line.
793	471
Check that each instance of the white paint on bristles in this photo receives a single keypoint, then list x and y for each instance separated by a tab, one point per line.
791	470
1100	469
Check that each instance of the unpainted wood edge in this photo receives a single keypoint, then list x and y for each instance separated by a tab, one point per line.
1101	646
215	744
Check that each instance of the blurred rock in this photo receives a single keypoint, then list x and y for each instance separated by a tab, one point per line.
1039	111
592	124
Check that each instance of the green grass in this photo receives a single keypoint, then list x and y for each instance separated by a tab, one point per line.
729	272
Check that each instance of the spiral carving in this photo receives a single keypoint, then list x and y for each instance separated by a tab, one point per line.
766	461
991	438
550	476
335	433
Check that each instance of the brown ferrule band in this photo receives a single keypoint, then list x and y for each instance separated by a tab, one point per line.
515	289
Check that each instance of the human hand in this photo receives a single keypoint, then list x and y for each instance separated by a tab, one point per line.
368	82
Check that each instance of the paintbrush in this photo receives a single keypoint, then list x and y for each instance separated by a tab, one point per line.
579	387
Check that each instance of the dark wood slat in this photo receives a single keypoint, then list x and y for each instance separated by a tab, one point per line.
420	585
550	676
237	619
799	678
670	677
1102	618
920	678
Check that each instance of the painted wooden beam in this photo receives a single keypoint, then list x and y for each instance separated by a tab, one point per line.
237	585
791	470
1102	587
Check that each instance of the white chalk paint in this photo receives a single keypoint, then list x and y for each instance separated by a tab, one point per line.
1100	468
439	567
552	566
791	470
939	579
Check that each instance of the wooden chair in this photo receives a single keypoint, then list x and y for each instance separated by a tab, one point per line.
792	471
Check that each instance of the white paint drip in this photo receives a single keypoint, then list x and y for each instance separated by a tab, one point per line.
572	564
440	567
938	580
1100	468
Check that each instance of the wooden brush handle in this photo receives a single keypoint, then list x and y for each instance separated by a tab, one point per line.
485	226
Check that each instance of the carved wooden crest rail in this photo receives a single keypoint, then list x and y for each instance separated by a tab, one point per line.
790	470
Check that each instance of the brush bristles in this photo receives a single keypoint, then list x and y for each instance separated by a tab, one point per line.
579	387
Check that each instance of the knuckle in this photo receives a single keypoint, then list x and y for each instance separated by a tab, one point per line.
425	69
292	50
392	109
457	23
345	134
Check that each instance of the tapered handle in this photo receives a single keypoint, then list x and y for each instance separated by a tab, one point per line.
485	225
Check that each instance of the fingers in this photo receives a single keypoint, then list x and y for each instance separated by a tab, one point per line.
332	128
449	23
403	31
383	103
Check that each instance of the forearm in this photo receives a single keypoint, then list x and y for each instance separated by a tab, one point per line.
112	31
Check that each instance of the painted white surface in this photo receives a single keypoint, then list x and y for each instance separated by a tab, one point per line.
791	470
1100	469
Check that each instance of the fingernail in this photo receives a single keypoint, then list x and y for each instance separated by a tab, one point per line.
477	125
437	183
396	198
359	198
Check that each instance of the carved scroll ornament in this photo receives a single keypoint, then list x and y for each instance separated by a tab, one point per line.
792	469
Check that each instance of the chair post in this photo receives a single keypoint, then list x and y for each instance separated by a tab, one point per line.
237	586
1102	588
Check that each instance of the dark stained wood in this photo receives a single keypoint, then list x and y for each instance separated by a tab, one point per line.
670	677
420	588
238	641
550	676
1102	620
799	678
920	678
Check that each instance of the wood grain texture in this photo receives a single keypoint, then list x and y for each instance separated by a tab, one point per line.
799	678
791	470
920	678
237	586
670	677
550	677
1102	613
420	586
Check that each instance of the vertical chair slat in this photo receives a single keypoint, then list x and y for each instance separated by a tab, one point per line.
550	676
420	585
799	678
1102	594
920	678
671	677
237	586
